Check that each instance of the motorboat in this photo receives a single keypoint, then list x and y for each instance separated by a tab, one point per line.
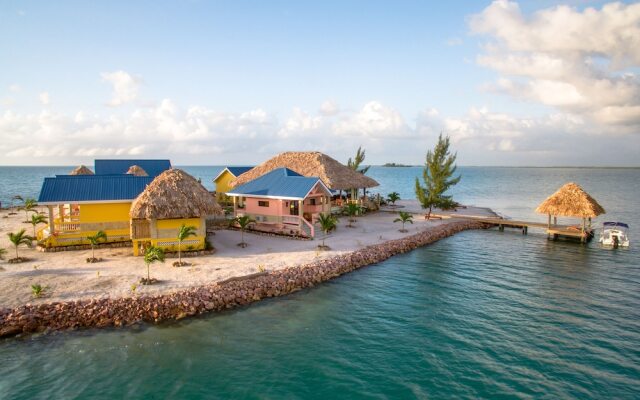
615	234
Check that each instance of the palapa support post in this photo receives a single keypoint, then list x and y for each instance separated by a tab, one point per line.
52	220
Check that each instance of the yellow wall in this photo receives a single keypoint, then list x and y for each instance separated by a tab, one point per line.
222	183
166	233
106	212
177	223
222	186
112	218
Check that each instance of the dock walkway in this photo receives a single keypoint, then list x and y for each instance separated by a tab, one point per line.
553	231
489	217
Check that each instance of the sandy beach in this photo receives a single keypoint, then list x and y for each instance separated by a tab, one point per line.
67	276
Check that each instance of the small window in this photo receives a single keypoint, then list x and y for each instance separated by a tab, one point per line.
263	204
312	202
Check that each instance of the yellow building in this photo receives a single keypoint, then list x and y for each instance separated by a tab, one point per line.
81	205
127	205
173	199
224	179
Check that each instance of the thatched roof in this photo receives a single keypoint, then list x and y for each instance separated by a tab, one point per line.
334	175
81	170
571	201
174	194
137	171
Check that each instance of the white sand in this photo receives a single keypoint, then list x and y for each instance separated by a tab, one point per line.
67	276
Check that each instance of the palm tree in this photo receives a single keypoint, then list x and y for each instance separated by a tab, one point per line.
393	197
151	255
404	218
184	233
358	159
29	206
37	219
16	198
352	210
244	222
327	223
355	165
95	240
20	238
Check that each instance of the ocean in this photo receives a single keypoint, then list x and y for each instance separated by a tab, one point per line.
482	314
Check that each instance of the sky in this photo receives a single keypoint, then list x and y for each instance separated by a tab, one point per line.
529	83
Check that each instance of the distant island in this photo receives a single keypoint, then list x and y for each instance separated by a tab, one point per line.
395	165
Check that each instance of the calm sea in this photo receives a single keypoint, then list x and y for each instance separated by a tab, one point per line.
479	315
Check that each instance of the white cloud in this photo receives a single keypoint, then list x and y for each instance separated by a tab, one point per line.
374	120
44	98
200	135
125	87
301	123
329	108
15	88
580	62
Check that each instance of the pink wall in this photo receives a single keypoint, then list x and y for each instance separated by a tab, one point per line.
280	208
275	207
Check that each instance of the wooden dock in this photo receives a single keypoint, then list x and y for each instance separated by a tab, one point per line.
553	231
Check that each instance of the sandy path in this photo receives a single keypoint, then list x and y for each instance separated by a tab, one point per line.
67	276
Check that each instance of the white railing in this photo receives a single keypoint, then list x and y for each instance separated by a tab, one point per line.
289	220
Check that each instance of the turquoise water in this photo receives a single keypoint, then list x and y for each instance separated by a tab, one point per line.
483	314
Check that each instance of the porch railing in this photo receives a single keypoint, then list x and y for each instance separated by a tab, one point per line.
289	221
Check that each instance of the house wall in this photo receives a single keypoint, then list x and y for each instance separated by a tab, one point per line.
223	186
321	205
276	207
105	212
112	218
164	234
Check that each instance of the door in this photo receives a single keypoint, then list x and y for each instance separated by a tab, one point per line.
294	208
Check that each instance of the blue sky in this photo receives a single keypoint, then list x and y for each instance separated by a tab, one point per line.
236	82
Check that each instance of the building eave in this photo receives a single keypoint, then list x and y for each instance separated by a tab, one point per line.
264	196
226	169
55	203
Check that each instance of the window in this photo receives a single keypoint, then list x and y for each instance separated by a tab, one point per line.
263	204
312	202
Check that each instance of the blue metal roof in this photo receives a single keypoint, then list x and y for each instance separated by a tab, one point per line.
119	167
281	182
72	188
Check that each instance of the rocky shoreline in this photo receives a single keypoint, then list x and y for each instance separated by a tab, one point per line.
98	313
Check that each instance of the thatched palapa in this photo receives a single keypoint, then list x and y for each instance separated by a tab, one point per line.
334	175
174	194
137	171
571	201
81	170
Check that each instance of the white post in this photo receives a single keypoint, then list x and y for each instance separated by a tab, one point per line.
52	222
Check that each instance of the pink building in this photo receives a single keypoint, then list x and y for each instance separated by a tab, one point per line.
282	201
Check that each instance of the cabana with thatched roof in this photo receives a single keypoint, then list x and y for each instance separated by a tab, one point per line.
571	201
334	175
172	199
137	171
81	170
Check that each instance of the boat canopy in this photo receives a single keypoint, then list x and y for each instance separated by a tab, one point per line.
616	224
